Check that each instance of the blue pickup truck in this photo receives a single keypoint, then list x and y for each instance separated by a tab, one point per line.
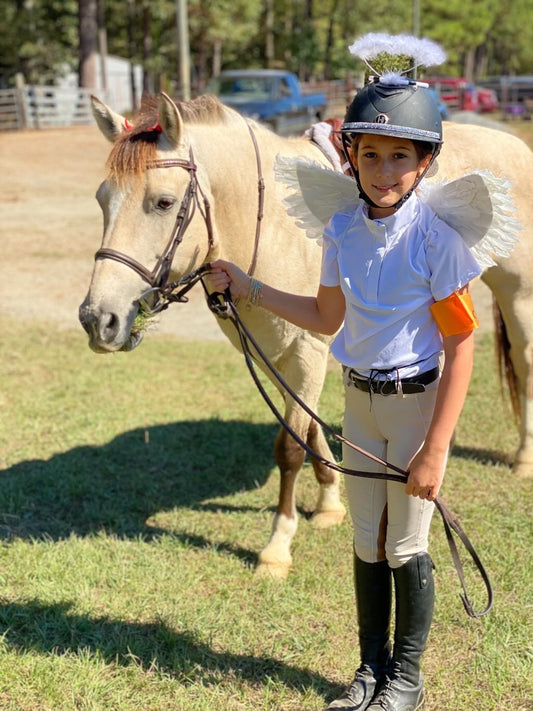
271	96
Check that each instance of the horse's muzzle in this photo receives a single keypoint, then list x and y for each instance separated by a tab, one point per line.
105	332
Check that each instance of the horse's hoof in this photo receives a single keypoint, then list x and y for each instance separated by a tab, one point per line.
325	519
523	469
274	571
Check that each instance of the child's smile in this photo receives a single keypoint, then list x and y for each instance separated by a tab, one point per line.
388	168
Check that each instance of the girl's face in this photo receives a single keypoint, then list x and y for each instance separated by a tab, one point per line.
388	167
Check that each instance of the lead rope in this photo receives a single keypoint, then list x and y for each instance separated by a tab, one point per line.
223	306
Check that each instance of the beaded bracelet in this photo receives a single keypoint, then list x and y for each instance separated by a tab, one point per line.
255	292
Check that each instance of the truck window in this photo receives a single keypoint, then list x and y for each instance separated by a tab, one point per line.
285	89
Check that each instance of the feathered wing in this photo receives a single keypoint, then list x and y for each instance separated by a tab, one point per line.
316	193
479	206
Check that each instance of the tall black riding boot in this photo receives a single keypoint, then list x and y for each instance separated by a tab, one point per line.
404	688
373	593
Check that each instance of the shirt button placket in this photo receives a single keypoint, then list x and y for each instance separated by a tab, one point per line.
374	272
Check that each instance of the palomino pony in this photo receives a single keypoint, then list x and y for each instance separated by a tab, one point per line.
205	156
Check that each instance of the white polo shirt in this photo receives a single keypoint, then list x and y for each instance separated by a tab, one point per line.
391	270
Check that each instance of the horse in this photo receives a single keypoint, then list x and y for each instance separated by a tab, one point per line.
191	182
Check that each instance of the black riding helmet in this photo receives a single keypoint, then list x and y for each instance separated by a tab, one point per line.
393	105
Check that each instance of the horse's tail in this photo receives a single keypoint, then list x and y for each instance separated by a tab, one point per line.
505	364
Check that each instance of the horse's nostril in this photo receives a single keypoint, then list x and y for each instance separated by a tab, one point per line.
110	321
108	325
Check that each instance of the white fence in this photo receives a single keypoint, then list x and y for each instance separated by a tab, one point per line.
44	107
31	106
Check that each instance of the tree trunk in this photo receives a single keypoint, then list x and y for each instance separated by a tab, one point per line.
468	65
329	40
88	42
131	52
148	75
102	43
269	33
217	57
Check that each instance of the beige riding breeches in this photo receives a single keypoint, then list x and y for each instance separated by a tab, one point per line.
388	523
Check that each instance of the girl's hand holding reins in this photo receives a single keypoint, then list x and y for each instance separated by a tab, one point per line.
425	474
223	274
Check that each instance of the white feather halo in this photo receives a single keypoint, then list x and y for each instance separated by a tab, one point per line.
479	206
423	51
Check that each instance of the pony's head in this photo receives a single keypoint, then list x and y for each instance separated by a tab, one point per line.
153	199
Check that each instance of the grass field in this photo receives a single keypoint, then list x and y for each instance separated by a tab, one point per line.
136	491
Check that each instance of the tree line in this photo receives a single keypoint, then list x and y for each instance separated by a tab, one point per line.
43	39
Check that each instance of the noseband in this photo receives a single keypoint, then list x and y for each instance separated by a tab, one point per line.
158	277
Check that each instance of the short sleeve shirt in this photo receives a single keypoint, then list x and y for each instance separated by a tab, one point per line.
391	271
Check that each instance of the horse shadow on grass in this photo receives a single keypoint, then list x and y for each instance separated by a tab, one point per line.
117	487
52	628
490	457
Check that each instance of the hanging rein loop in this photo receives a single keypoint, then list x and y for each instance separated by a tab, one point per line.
223	305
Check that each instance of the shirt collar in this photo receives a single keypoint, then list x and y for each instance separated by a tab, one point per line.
398	220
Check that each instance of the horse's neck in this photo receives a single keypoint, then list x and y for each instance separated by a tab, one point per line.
235	170
236	158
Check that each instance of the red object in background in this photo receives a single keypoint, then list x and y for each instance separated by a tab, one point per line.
461	95
487	100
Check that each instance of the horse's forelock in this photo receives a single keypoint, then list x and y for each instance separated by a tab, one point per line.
138	145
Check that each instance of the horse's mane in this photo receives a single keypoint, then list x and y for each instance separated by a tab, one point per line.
137	145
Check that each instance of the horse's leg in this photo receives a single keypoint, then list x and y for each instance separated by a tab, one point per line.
515	306
275	559
523	464
329	509
521	353
303	368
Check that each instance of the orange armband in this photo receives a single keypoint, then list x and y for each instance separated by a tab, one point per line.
455	314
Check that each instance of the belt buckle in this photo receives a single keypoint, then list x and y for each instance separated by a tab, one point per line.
384	387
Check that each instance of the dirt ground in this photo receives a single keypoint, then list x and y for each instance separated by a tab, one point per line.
51	227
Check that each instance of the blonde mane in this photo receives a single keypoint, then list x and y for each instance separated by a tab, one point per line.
137	145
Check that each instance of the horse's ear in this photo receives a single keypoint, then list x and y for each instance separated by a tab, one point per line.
170	119
109	122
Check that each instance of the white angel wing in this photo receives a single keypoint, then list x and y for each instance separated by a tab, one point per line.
315	192
478	206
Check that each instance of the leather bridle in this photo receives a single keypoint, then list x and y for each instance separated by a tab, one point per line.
157	278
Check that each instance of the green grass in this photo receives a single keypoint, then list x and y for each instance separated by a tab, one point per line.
135	493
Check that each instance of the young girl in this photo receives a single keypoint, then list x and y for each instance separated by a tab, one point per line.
395	282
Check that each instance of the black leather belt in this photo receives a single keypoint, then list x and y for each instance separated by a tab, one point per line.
416	384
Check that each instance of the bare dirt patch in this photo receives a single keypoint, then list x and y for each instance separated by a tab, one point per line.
51	227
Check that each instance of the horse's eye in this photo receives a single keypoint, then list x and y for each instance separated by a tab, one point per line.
165	203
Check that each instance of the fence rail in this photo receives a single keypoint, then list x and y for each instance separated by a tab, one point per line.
44	107
32	106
